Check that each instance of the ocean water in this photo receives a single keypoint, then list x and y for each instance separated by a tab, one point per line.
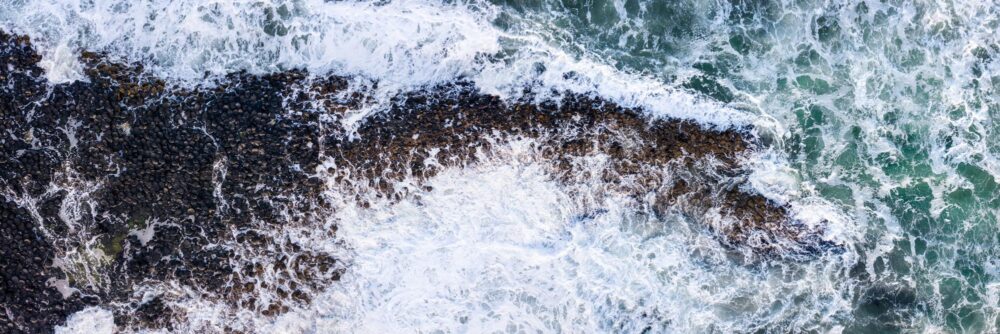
879	116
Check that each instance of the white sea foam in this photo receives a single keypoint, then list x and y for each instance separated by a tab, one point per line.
91	320
402	45
62	65
771	176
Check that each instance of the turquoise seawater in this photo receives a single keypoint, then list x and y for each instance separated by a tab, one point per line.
891	111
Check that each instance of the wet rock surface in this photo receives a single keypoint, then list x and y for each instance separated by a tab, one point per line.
194	186
163	186
29	303
686	167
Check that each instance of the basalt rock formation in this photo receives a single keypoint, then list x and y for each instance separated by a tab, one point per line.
123	181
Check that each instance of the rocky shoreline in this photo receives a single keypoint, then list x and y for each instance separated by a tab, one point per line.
192	186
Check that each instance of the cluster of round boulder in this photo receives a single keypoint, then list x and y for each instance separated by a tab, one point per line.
215	171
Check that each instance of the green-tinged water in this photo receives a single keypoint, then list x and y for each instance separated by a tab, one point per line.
890	111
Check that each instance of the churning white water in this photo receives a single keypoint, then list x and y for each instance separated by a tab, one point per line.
402	45
91	320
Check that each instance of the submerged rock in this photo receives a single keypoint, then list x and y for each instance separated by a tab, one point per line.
123	181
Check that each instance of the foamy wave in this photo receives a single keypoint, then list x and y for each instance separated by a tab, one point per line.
401	45
92	320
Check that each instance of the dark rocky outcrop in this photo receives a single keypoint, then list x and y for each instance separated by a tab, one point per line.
215	171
